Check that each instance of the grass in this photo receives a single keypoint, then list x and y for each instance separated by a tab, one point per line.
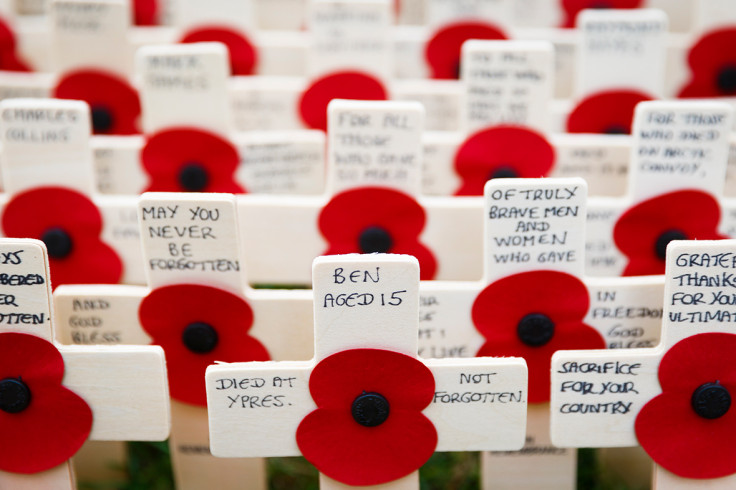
149	468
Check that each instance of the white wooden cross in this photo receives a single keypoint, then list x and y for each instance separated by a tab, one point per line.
45	149
366	312
677	146
190	239
93	59
124	386
534	225
621	58
371	145
673	399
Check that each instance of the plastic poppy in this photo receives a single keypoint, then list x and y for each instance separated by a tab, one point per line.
70	226
196	326
243	54
533	315
713	66
609	112
113	102
443	51
573	7
368	428
643	232
351	85
698	377
376	220
43	423
145	12
9	60
190	160
501	151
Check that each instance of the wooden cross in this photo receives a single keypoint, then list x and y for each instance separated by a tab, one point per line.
125	387
678	146
46	157
371	145
609	398
366	314
191	239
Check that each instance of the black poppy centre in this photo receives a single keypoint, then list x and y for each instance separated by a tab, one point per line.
504	172
660	246
535	329
14	395
616	129
375	239
102	119
370	409
711	400
193	177
200	337
726	80
58	242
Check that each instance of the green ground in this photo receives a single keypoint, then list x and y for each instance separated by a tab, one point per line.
150	469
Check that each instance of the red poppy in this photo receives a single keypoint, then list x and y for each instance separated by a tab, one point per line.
70	226
443	50
533	315
113	102
376	220
368	428
501	151
713	66
643	232
145	12
243	54
573	7
689	429
196	326
9	60
351	85
43	423
190	160
610	112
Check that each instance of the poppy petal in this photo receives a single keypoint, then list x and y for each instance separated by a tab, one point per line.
167	311
169	153
712	65
525	153
443	49
349	214
243	54
696	214
31	213
56	422
113	102
9	60
610	112
145	12
349	85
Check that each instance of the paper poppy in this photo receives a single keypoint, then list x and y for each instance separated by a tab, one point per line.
113	102
243	54
443	50
501	152
368	427
573	7
643	232
690	427
43	423
376	220
70	226
145	12
196	326
533	315
190	160
9	60
610	112
351	85
713	66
